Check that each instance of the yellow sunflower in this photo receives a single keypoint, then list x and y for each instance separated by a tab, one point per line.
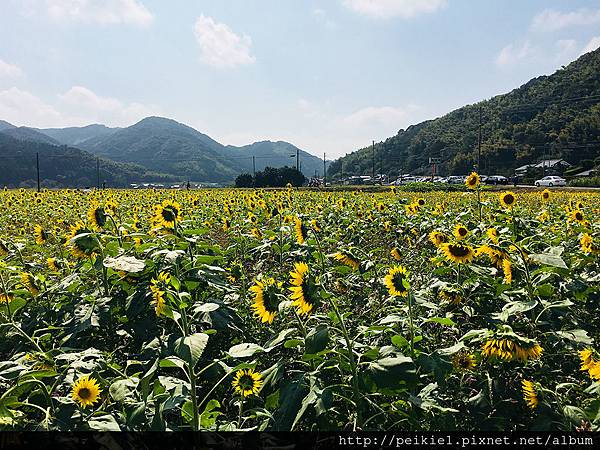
247	382
41	237
86	391
82	243
588	245
460	232
302	291
28	281
52	265
396	281
266	299
167	214
529	394
437	238
545	195
472	180
347	259
301	231
96	216
454	298
158	290
395	252
508	350
507	270
508	199
577	216
457	252
463	361
492	233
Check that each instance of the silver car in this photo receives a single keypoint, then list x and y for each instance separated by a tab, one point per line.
551	181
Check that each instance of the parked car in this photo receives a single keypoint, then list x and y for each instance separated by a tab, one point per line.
551	181
496	179
455	179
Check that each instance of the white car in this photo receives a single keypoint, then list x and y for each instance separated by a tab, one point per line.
551	181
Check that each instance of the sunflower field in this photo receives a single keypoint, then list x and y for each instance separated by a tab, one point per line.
299	310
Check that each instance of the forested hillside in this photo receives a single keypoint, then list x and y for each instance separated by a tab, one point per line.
550	116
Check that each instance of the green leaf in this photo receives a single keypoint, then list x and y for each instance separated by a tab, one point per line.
129	264
122	389
208	417
105	422
191	347
451	350
441	320
400	341
392	372
548	259
317	339
244	350
578	336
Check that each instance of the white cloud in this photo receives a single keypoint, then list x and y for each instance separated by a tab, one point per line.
78	106
552	20
9	70
131	12
23	108
85	103
219	46
566	49
592	45
394	8
511	54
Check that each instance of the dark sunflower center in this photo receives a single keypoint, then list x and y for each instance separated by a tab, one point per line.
578	216
462	231
99	216
169	214
85	393
509	199
270	299
463	362
458	250
246	382
398	281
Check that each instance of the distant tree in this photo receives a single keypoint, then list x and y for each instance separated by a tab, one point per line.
292	176
272	177
244	180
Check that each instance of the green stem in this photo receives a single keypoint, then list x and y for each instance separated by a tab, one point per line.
411	324
353	367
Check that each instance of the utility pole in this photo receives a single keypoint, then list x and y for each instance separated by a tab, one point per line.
341	171
373	161
37	165
254	166
324	171
479	143
98	173
298	159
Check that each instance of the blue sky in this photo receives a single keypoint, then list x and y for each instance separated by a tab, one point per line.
326	75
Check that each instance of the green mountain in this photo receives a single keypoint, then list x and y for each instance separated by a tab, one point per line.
5	125
556	116
76	135
63	166
29	134
167	146
278	154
